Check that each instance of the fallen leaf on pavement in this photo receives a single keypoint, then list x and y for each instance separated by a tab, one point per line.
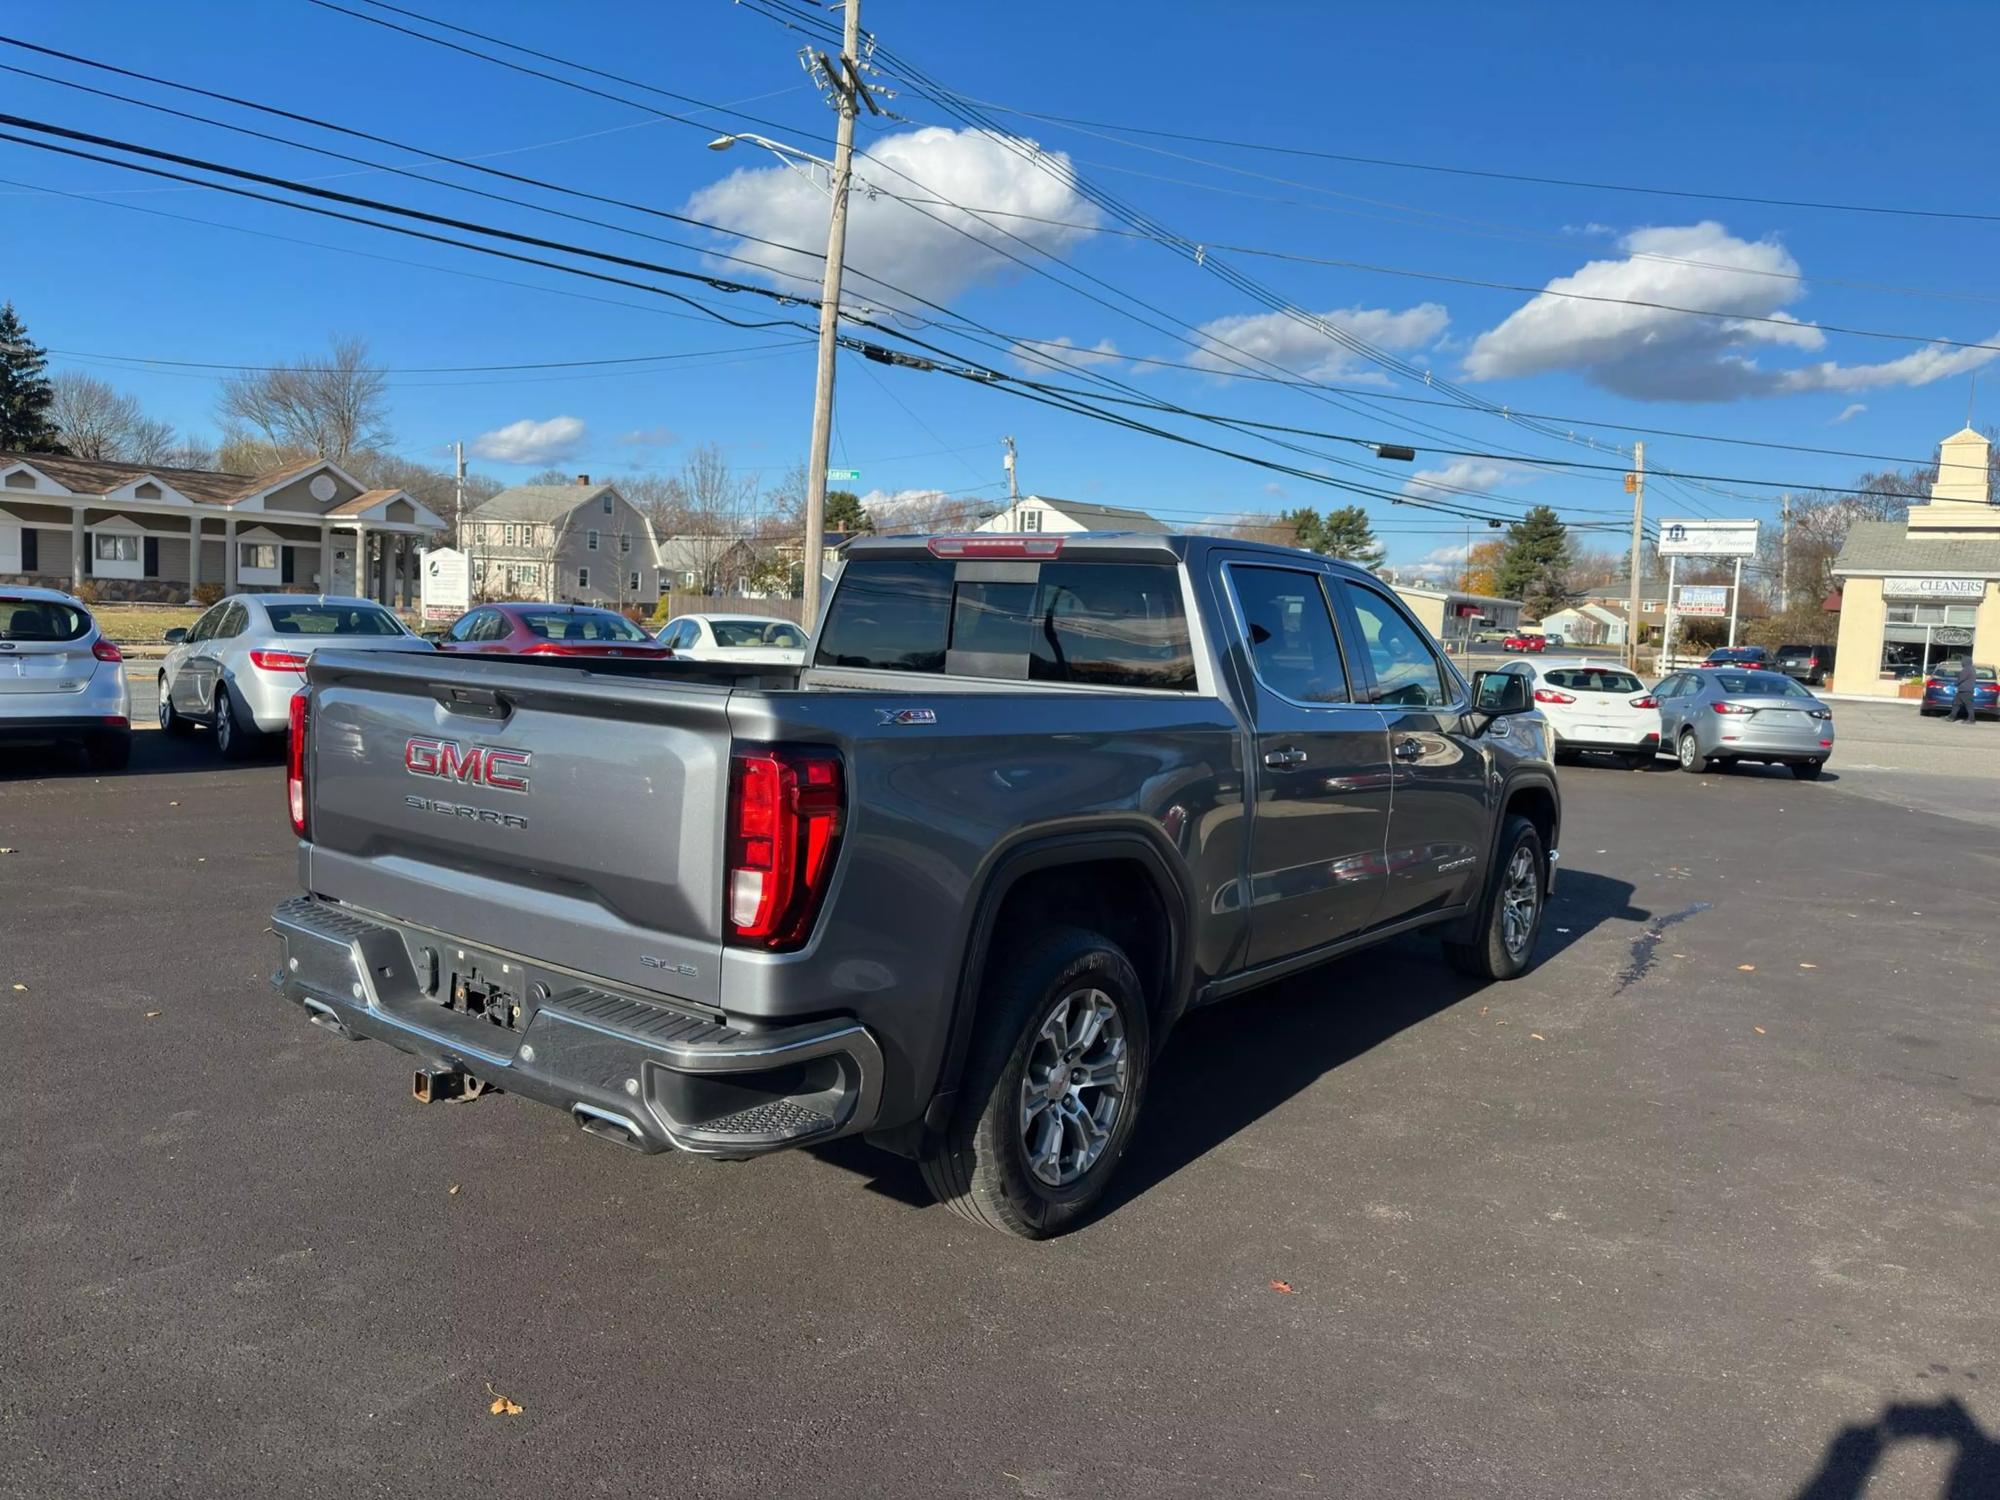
5	850
1284	1287
501	1405
173	804
20	986
1746	968
1808	966
1537	1036
1759	1030
454	1190
1483	1009
154	1014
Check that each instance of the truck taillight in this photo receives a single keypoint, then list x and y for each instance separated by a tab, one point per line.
295	761
786	811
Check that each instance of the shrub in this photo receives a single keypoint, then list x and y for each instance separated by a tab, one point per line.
206	594
88	591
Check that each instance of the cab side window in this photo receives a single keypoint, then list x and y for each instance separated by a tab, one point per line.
1293	649
463	626
1407	672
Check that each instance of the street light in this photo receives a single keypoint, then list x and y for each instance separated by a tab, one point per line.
804	163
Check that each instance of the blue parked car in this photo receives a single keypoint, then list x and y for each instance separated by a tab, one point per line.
1941	691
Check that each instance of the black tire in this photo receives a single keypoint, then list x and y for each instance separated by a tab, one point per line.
1489	956
172	720
109	752
979	1165
1807	770
232	740
1688	755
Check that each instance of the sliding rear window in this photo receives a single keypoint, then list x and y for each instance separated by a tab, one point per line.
1104	624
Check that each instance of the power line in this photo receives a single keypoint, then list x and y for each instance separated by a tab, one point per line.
1543	181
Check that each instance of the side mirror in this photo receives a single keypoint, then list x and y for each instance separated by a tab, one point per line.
1496	694
175	636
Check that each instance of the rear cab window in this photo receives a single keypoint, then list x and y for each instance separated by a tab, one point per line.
41	620
1104	624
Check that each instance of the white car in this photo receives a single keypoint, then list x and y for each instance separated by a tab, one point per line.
1594	707
756	639
61	681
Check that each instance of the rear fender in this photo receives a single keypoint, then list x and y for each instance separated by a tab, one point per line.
1048	848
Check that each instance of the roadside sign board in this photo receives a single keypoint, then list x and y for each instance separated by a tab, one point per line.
1969	590
833	474
1708	538
446	585
1703	599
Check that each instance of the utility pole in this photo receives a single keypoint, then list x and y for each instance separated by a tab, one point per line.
1636	482
458	494
1784	553
845	77
1013	478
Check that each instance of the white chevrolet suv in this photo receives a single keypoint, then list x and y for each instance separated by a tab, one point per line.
61	681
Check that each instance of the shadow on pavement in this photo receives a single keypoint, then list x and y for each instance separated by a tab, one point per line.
1275	1042
153	754
1855	1452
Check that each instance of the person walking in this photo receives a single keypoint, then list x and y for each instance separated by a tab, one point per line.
1965	698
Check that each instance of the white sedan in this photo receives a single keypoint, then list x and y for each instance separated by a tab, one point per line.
756	639
1594	708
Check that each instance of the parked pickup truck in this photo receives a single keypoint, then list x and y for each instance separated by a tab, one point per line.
950	884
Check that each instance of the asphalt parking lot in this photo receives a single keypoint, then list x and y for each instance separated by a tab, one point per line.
1704	1206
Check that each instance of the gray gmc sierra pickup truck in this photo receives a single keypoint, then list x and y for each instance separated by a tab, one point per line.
950	884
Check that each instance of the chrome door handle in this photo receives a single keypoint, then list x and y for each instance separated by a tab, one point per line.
1409	750
1286	757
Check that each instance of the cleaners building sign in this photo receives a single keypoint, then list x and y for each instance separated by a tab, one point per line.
1968	590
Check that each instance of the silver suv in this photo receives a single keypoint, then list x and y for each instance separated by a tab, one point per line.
236	668
61	681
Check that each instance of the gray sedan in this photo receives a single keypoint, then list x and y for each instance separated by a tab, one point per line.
236	669
1715	716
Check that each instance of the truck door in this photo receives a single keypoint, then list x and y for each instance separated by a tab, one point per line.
1319	767
1438	819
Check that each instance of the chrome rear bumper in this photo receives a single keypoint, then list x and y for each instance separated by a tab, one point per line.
629	1069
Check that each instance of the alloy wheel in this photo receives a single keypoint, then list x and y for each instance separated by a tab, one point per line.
225	724
1073	1086
1687	752
1520	903
166	710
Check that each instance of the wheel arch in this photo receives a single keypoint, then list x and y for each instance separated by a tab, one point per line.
1093	865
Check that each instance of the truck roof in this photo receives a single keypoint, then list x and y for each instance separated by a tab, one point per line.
1125	546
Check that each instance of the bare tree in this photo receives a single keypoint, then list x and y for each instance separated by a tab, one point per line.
333	406
95	418
704	512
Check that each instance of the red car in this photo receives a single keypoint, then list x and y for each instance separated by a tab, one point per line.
549	630
1530	643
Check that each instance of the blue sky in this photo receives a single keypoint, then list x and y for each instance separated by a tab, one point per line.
1846	103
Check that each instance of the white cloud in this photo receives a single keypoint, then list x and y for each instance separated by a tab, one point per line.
916	247
530	442
1439	562
1932	362
1459	474
649	437
1849	412
1593	227
1652	353
1299	346
1038	357
1276	491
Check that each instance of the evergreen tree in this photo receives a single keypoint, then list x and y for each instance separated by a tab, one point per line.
1344	533
844	512
25	392
1536	567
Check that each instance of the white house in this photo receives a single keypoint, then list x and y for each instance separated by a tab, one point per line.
1040	513
134	532
1587	625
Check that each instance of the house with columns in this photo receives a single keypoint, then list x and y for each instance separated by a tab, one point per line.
143	533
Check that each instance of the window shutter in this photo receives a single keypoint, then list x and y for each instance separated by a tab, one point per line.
89	546
152	567
285	564
31	550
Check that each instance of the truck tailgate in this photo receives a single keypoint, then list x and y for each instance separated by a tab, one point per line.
591	841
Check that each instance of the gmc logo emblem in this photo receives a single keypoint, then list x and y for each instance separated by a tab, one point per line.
468	765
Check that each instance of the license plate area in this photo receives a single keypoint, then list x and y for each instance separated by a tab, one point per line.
485	993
